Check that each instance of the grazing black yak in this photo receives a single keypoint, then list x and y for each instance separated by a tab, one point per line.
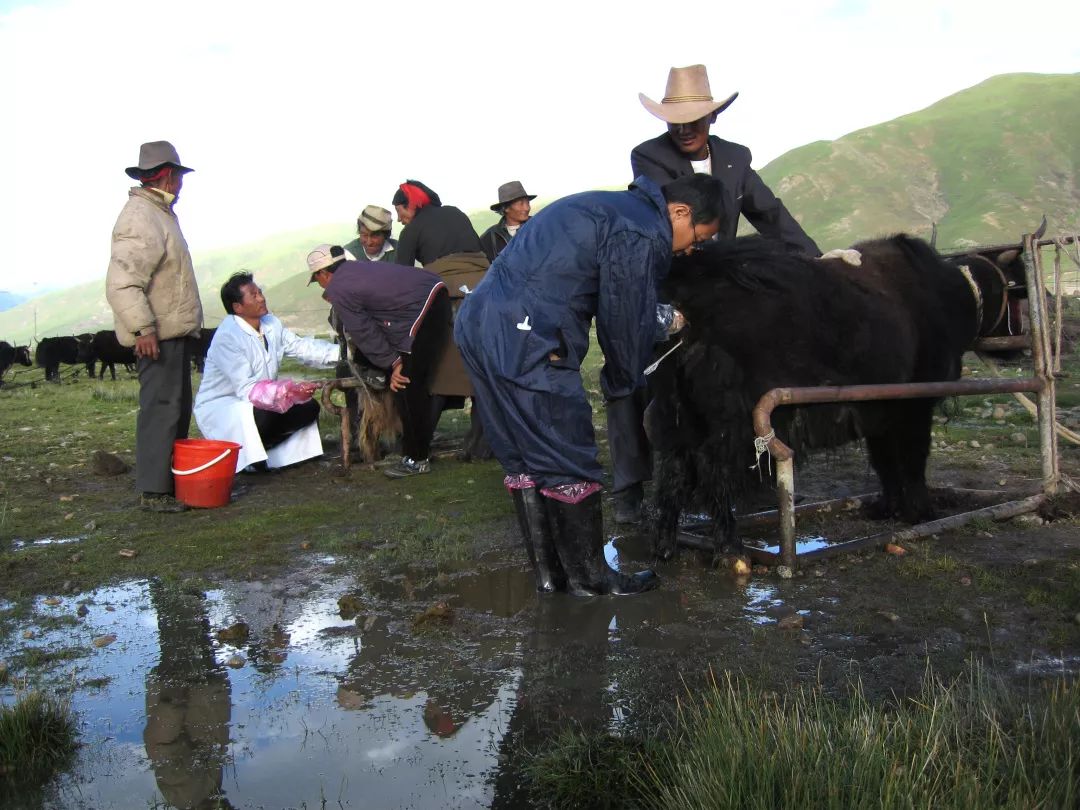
10	355
109	352
761	318
73	350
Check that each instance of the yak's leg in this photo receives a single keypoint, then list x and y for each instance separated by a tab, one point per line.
674	488
885	459
725	531
913	451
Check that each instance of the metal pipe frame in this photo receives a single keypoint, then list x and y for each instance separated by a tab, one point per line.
1041	384
784	456
998	512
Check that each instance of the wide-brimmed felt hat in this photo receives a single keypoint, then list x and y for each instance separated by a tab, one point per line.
687	97
376	218
508	192
154	155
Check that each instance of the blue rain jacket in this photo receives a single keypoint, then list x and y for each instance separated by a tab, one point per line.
600	254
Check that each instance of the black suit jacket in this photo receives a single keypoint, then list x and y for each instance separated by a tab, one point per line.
743	190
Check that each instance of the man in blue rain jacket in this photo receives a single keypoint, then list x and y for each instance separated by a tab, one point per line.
524	331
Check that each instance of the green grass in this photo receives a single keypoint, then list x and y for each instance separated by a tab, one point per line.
973	742
47	490
37	737
38	658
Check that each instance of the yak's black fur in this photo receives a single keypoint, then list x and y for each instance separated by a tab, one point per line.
761	318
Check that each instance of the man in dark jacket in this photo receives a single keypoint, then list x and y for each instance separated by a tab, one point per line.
515	206
524	332
689	110
399	319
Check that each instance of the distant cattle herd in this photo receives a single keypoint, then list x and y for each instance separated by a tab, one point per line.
94	351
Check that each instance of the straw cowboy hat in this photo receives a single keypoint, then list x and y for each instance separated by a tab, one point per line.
508	192
687	97
154	155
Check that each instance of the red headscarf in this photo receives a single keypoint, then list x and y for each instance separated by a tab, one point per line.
416	196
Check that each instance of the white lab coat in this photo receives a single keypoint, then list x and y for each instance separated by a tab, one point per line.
235	361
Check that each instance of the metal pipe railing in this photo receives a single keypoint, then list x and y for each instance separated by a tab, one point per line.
784	456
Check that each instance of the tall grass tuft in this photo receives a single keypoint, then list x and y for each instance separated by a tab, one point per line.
580	770
973	742
116	392
969	743
37	737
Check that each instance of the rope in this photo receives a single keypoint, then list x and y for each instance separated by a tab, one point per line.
653	366
761	448
965	271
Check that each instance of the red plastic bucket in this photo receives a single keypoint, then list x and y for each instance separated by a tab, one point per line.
203	470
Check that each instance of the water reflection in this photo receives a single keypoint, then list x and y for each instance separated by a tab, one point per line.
188	704
365	706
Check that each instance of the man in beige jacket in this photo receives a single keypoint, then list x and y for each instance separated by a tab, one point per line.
151	288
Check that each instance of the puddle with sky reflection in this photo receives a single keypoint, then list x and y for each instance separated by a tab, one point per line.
357	706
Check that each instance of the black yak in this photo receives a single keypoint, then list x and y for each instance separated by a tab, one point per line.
199	347
108	352
52	351
10	355
761	318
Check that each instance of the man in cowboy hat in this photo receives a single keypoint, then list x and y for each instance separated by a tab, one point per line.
514	206
150	286
689	109
373	242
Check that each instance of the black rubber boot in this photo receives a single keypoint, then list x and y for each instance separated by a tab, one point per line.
629	505
579	539
536	535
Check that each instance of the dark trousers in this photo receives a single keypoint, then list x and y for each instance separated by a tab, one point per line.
164	413
414	403
274	428
631	455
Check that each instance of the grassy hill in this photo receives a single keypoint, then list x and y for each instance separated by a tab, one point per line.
985	164
278	263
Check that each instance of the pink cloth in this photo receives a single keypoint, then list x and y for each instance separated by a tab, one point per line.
277	395
518	481
571	493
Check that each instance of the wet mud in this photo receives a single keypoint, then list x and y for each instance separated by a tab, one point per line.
361	684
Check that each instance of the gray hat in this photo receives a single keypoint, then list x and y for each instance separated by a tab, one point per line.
154	155
376	218
508	192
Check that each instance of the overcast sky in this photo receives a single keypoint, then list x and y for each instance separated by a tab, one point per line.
302	116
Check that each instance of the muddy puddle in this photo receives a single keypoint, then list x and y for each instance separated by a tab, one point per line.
396	690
